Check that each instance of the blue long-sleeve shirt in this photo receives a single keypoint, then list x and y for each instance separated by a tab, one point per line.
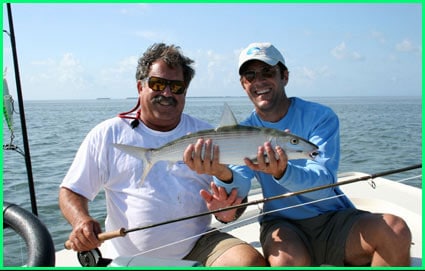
320	125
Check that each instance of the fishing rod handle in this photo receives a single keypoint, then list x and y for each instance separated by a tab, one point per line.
103	236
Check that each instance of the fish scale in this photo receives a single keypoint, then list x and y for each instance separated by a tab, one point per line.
234	142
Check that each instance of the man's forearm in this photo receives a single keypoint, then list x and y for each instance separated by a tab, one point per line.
72	205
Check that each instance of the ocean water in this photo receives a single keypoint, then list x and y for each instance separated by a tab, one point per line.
377	134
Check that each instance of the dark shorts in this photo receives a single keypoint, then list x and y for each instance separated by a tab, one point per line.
211	246
324	235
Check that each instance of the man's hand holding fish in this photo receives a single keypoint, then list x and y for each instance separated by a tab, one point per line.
203	158
274	163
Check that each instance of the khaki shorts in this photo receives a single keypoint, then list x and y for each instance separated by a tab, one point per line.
324	235
211	246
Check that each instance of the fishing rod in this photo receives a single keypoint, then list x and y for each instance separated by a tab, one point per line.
22	114
122	231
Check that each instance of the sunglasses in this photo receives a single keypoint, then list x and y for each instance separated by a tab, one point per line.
159	84
267	72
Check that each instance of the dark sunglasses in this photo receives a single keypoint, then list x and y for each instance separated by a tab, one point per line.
159	84
267	72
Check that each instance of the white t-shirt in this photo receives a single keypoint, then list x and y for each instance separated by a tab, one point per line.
168	191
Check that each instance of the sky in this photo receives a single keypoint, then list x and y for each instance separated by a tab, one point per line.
88	51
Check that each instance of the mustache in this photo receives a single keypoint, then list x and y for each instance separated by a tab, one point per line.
164	100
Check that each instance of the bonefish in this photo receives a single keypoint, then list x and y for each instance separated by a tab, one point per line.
235	143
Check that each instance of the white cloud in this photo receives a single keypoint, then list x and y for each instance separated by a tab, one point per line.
125	66
216	64
119	80
140	9
312	74
155	36
356	56
341	52
215	74
379	36
406	46
51	78
309	73
69	70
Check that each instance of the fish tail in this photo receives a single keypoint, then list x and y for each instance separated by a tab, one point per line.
146	166
145	155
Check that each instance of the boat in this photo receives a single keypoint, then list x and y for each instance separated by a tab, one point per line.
370	192
378	194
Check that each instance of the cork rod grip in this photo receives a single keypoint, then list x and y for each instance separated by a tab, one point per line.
102	236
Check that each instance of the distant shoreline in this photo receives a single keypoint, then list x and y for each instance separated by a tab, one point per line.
221	97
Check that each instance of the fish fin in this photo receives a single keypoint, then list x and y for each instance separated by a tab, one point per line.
227	117
146	168
139	153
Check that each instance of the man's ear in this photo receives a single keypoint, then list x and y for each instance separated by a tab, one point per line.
139	86
241	80
285	74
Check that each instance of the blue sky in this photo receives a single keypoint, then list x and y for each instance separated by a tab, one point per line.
85	51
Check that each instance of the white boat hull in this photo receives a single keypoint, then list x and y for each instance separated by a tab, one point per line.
387	197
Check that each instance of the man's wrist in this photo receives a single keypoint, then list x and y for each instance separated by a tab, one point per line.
238	213
223	221
226	175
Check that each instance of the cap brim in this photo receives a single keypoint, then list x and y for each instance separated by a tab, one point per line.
269	61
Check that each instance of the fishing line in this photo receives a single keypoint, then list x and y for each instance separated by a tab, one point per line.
84	256
409	178
237	222
122	231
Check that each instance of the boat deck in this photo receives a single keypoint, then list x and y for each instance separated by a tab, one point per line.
387	197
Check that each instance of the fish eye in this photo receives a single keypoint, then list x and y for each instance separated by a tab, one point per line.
294	141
